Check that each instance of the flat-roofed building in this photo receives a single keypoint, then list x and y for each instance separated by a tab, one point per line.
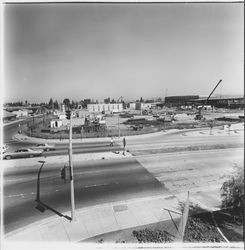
180	100
105	107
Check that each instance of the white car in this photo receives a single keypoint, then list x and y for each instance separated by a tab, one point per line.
43	146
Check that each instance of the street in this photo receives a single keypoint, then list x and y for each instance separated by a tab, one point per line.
101	181
95	183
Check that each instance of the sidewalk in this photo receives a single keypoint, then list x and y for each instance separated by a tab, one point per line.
104	218
100	219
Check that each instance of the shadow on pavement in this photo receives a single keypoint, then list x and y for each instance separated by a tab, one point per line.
42	207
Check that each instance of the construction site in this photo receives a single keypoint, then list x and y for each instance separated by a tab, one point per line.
116	120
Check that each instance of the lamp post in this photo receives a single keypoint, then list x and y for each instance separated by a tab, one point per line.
38	181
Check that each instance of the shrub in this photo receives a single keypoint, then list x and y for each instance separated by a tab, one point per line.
232	190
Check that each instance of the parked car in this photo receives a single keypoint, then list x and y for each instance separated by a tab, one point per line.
22	153
43	146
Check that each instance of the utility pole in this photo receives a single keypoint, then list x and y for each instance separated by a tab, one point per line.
69	115
118	127
119	117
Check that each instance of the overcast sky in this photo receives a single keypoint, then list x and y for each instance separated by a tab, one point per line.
110	50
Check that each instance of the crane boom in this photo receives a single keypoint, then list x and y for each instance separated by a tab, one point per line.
199	115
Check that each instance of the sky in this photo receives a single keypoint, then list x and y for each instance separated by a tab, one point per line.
88	50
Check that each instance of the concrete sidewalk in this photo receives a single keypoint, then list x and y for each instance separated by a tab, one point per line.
105	218
100	219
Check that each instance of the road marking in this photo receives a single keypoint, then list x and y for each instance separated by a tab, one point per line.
15	195
99	185
19	195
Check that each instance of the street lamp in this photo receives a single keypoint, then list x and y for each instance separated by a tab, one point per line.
38	181
39	206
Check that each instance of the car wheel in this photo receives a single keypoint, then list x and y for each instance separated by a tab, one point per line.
31	156
8	157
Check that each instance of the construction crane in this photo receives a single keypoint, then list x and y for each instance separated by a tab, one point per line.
199	116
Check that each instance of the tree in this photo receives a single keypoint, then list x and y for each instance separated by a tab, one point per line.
56	104
66	101
72	104
141	99
51	103
113	101
85	102
107	100
232	190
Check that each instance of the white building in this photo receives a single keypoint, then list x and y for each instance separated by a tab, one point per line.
21	113
106	107
56	123
132	105
142	106
206	107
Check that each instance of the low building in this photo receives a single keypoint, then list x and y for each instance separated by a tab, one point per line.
223	102
180	100
56	123
59	123
142	105
21	113
132	105
206	107
105	107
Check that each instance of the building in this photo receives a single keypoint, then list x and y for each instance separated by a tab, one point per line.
223	102
132	105
206	107
180	100
21	113
105	107
56	123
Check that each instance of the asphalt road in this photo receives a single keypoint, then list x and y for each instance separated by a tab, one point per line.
77	148
95	183
60	149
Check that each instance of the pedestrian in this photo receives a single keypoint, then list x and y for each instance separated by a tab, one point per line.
111	144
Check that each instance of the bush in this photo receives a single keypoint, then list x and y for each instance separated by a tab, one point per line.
149	235
232	190
198	230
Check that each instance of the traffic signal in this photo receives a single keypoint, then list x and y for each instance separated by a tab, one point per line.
63	173
68	114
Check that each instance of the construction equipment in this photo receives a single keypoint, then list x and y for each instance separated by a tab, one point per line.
199	116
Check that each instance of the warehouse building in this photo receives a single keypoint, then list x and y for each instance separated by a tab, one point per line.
180	100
